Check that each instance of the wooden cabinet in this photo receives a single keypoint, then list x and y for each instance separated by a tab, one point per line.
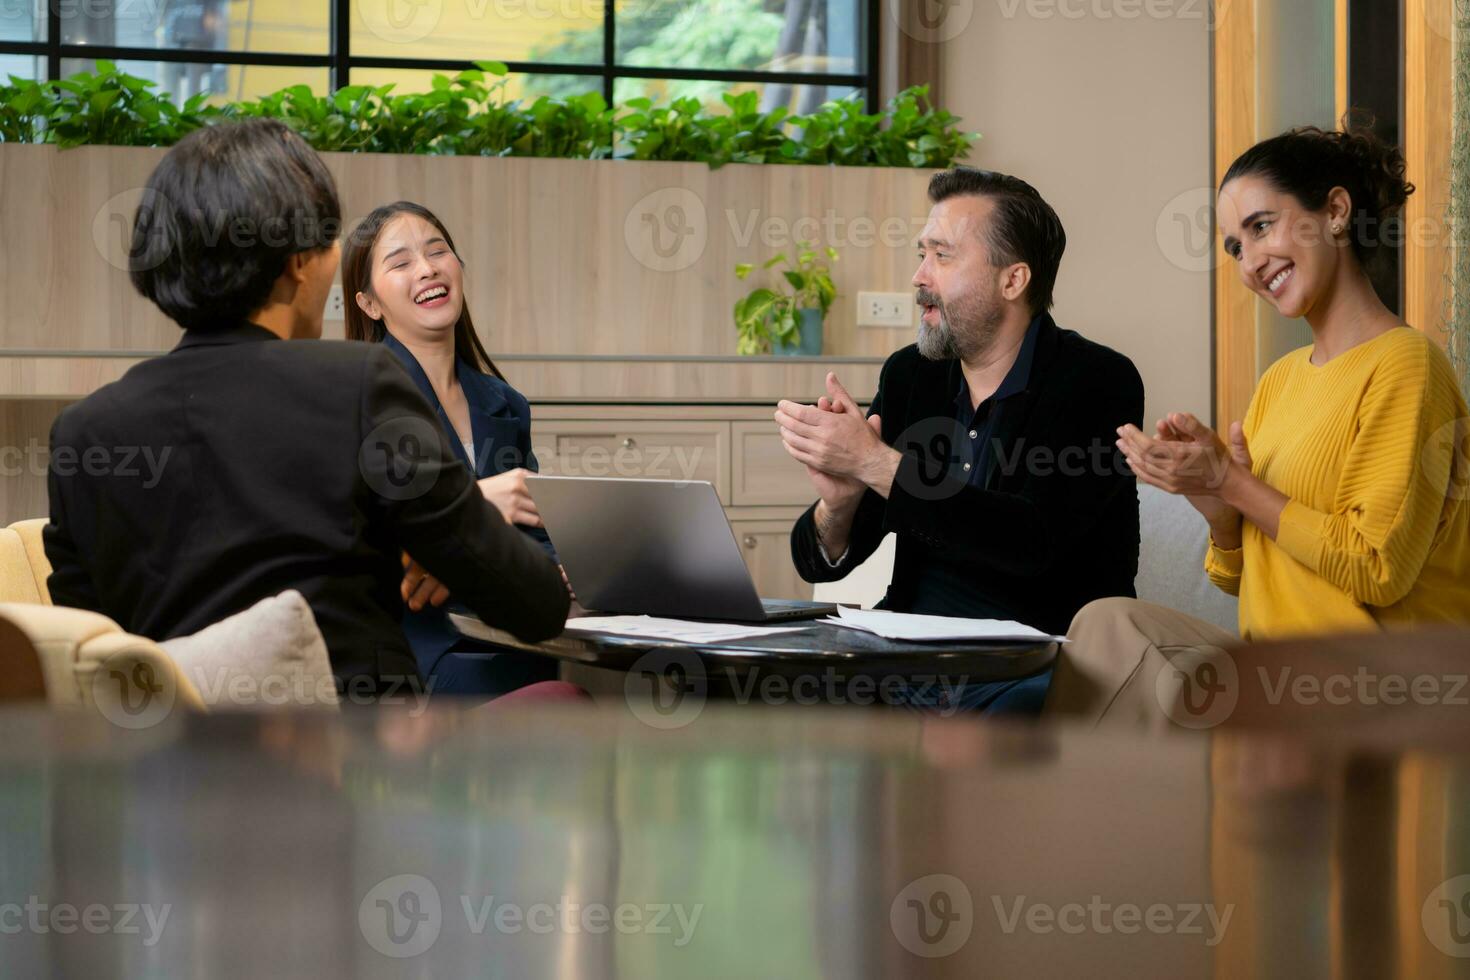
766	546
647	449
762	472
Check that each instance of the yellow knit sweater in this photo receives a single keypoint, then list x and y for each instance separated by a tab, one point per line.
1371	447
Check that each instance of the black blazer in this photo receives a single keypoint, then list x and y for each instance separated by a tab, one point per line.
1055	524
237	466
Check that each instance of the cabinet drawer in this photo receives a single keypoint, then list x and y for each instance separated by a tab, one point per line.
648	450
766	546
764	474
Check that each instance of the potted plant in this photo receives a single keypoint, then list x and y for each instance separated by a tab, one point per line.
782	320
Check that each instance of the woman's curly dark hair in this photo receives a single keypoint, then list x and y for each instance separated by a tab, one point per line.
1308	162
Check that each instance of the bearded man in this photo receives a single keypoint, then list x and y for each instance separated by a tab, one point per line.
990	448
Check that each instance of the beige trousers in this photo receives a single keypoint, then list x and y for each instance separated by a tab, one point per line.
1132	664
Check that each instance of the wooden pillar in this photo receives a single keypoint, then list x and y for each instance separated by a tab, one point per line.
1429	123
1235	132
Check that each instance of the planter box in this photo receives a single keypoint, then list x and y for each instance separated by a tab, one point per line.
563	257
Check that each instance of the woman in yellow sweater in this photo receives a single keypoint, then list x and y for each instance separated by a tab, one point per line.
1343	501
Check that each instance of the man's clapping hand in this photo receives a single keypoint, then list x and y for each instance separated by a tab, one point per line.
843	452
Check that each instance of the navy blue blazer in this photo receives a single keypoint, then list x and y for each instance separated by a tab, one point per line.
500	420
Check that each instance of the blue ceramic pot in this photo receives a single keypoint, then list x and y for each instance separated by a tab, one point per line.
809	339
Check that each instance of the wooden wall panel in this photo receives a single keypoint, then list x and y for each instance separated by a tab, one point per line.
1428	126
563	256
1235	132
25	428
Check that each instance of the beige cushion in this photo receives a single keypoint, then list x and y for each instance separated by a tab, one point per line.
1171	560
271	655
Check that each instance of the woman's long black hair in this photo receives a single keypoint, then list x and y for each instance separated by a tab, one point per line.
357	277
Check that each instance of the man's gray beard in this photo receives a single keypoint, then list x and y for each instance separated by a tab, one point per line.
942	343
937	343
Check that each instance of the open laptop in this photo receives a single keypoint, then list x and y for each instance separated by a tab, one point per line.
656	548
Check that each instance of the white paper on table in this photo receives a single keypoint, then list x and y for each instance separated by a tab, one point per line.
677	630
910	626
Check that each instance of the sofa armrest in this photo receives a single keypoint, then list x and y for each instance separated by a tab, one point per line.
132	681
77	650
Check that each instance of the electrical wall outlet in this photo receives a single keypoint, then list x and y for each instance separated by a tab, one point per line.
894	310
335	310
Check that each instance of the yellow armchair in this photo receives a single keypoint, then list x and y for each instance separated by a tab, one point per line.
80	658
23	565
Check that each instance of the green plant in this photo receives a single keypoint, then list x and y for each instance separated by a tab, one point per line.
495	127
580	126
23	107
467	113
369	119
685	131
909	132
764	316
340	121
118	109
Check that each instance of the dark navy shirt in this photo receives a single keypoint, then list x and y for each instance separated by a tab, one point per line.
977	460
969	452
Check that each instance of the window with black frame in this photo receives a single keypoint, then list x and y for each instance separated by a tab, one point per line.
796	53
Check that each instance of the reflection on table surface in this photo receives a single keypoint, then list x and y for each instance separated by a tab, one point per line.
746	843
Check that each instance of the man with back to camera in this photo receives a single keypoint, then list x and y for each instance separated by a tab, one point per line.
990	447
284	464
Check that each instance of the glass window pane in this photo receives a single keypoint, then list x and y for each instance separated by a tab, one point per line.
280	26
559	86
22	20
225	83
557	31
22	66
517	86
796	98
767	35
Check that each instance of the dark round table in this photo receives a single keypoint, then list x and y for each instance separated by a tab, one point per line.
816	648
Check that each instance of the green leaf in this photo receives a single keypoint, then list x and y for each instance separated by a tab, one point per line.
742	269
461	114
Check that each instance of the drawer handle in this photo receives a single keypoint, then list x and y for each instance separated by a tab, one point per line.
630	443
750	541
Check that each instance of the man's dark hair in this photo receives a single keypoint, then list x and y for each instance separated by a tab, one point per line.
1023	227
220	215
